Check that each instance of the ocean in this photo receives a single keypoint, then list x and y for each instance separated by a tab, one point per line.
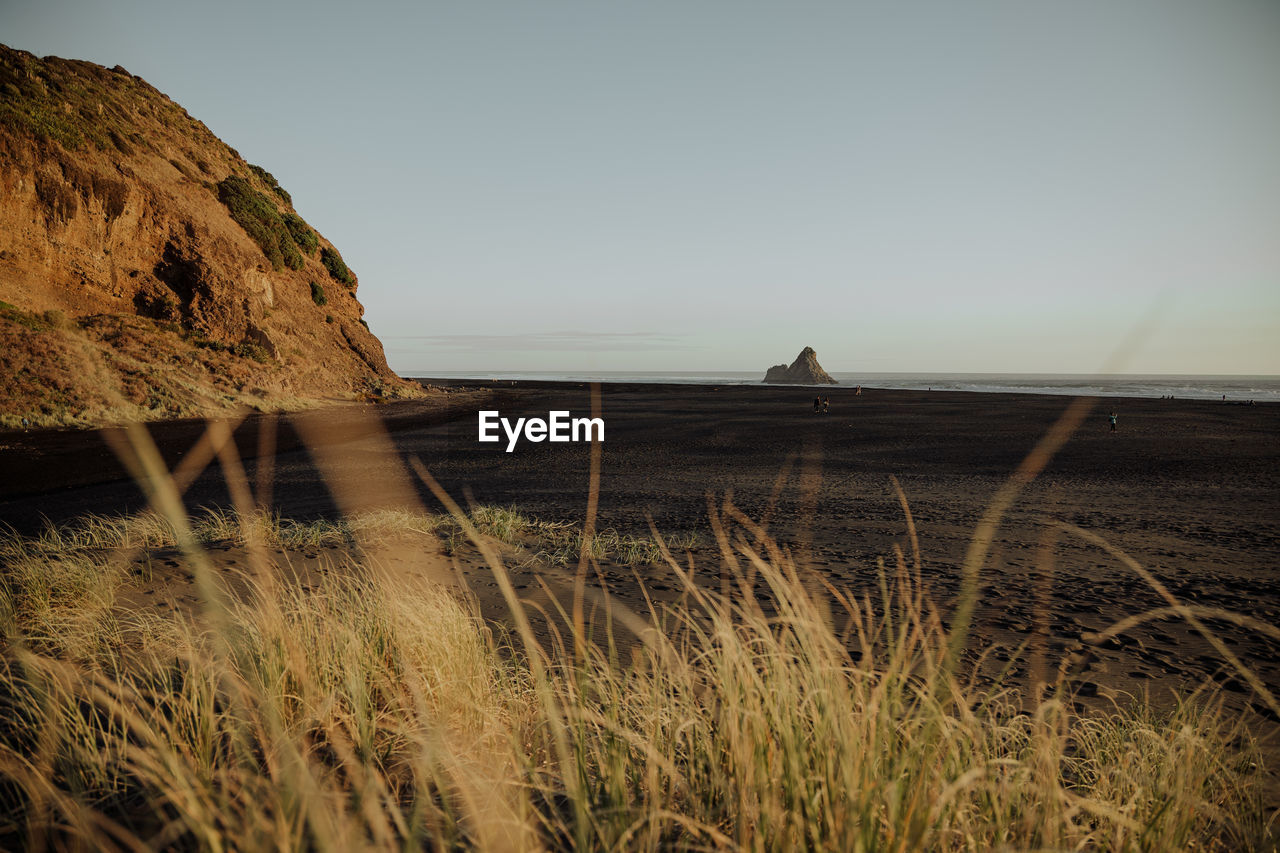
1235	388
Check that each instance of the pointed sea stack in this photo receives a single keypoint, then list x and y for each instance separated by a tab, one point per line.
805	370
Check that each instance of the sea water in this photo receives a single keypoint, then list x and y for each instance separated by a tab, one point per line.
1234	388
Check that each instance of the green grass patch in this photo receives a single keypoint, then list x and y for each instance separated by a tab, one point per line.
26	319
55	100
210	526
43	119
559	543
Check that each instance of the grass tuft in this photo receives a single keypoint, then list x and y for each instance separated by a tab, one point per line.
364	711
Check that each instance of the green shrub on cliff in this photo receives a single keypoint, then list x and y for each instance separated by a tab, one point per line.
254	351
257	215
317	294
337	268
270	180
301	233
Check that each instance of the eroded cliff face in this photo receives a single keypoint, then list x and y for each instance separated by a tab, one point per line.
147	270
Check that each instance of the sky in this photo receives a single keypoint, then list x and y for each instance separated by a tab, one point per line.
1007	186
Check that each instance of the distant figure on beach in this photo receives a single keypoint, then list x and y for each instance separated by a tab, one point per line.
858	391
826	403
1113	421
817	405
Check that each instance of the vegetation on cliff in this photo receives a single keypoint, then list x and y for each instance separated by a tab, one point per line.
117	206
337	268
260	219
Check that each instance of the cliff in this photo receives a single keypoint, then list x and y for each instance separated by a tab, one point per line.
148	271
805	370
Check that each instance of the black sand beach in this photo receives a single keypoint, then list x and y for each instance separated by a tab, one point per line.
1190	489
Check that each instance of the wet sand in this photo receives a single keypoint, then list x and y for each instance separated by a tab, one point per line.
1190	489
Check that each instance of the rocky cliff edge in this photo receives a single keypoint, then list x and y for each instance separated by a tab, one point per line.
148	271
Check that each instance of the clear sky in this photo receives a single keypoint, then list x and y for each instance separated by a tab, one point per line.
1012	186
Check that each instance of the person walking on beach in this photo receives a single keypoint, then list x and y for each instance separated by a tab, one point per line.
826	403
1112	418
817	405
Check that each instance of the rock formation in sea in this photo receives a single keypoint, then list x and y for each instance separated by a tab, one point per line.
148	271
805	370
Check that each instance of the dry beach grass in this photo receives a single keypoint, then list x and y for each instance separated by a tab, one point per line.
755	706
